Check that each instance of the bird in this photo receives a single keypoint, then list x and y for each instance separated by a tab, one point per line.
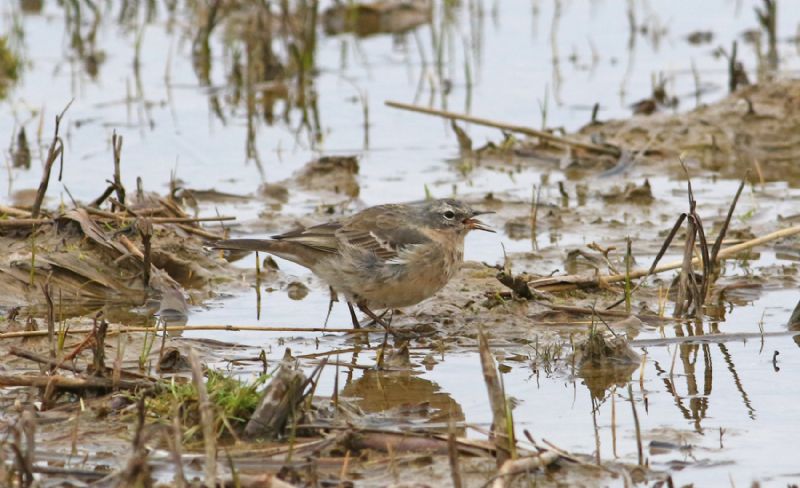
386	257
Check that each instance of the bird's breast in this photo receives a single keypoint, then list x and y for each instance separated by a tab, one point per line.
415	276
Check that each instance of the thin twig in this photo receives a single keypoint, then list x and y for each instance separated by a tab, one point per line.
50	363
563	141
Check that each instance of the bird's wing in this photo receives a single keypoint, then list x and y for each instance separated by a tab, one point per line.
321	237
383	230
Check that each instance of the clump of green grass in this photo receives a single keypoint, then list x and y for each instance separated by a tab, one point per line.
233	401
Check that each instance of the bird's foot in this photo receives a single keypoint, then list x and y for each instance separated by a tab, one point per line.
377	319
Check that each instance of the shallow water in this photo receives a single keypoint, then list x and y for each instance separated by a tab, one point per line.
707	396
172	128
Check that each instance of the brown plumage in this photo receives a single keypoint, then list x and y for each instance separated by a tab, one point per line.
387	256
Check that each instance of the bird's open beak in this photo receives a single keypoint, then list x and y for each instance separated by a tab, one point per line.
474	224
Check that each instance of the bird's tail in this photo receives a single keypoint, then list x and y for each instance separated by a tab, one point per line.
263	245
298	253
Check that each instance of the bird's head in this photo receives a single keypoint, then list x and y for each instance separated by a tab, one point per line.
452	215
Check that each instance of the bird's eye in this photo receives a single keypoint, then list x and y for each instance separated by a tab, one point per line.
449	215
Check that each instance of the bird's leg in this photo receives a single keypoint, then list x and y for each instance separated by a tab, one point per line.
334	298
369	313
378	320
381	316
356	323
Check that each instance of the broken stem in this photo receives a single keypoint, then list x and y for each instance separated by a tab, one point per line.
562	141
55	152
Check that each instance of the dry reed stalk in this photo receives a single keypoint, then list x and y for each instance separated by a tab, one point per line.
452	454
71	383
116	145
55	152
639	450
546	136
496	400
207	420
99	356
14	212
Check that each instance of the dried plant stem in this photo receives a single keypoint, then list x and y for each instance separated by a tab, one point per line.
345	465
50	363
628	264
207	419
24	429
14	212
30	222
177	220
733	79
130	246
496	400
711	338
687	284
596	432
181	328
51	318
141	212
146	233
55	152
200	232
514	467
614	422
99	362
565	283
116	145
639	449
535	192
562	141
724	230
14	223
452	452
70	383
175	443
